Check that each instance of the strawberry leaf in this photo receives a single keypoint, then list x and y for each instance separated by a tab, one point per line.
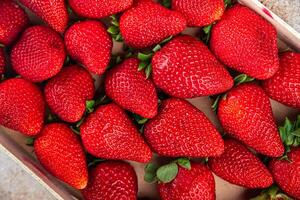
227	3
142	66
167	173
144	57
166	3
150	172
216	103
242	78
90	106
148	71
184	162
30	141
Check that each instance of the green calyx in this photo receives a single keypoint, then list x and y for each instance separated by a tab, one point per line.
206	33
30	141
166	3
271	193
114	29
90	106
290	133
242	78
165	173
228	3
145	58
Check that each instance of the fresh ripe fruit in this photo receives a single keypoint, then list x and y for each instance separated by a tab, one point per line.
195	184
67	93
240	166
22	106
246	42
108	133
59	150
181	130
99	8
2	61
53	12
39	54
286	173
13	20
284	86
245	113
185	68
129	88
88	43
199	12
111	180
149	23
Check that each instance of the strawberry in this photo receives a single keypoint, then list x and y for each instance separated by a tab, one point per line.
22	106
109	133
245	113
2	61
286	173
53	12
185	68
180	129
111	180
240	166
13	20
67	93
284	86
39	54
199	12
129	88
99	8
148	23
59	150
194	184
246	42
88	43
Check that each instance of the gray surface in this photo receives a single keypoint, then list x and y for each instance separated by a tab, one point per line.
17	184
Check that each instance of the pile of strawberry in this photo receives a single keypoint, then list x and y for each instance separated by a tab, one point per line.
83	130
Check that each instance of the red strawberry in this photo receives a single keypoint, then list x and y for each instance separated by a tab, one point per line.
111	180
246	42
240	166
194	184
13	20
199	12
284	86
39	54
2	61
245	113
60	152
99	8
131	90
108	133
185	68
149	23
286	173
181	130
53	12
67	93
90	44
22	106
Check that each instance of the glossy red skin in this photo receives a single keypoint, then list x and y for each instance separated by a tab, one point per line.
13	21
88	43
185	68
2	61
287	174
199	12
181	130
109	133
246	42
66	94
245	113
130	89
53	12
240	166
60	152
22	106
195	184
111	180
148	23
39	54
284	86
99	8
